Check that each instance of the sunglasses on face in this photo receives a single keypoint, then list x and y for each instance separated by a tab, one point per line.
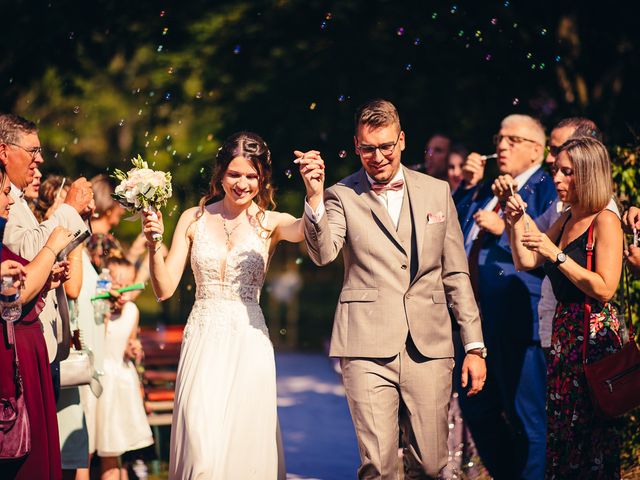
553	150
566	171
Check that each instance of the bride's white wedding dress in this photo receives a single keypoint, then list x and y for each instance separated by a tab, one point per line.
225	417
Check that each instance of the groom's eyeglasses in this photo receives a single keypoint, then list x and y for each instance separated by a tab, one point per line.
386	149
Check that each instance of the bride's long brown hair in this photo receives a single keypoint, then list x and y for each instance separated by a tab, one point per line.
252	147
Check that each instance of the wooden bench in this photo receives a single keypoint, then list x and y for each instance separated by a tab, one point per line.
161	346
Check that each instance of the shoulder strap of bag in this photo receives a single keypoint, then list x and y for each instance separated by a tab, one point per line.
587	300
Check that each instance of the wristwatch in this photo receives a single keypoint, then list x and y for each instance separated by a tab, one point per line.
481	352
560	258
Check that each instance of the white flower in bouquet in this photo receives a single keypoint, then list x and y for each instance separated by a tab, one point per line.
142	188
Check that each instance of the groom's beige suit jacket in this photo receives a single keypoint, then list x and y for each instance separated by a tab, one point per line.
387	292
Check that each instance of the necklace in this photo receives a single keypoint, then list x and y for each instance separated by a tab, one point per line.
228	232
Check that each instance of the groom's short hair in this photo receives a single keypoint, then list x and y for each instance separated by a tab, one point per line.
377	113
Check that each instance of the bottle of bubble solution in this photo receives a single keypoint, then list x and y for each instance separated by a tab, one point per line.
101	306
10	306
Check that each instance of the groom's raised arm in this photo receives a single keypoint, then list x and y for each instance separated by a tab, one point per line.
324	221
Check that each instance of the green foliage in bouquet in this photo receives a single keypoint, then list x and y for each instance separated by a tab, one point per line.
142	187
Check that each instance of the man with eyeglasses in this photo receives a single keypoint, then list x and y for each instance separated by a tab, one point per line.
508	420
21	154
404	262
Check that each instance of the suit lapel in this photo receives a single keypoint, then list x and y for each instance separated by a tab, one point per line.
418	203
363	189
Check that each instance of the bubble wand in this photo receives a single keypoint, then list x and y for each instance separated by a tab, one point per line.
524	212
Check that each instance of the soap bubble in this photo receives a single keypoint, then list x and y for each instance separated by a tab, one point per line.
400	31
342	153
408	67
236	49
515	102
288	173
76	109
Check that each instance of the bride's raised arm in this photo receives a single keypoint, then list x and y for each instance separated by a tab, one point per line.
166	273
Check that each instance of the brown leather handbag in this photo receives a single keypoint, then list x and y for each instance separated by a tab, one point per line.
614	381
15	432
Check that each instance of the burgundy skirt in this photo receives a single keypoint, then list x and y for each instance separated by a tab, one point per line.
44	460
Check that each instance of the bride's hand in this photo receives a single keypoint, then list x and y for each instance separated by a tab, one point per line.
152	224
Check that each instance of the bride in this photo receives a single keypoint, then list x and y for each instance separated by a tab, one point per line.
225	418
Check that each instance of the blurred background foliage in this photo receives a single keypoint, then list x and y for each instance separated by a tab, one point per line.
109	79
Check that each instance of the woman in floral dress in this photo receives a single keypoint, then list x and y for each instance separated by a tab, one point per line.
580	444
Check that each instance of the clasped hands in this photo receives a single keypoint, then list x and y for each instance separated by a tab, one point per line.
311	166
514	209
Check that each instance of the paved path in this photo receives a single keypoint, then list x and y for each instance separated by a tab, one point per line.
318	435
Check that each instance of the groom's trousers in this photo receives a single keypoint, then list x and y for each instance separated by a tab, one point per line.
407	391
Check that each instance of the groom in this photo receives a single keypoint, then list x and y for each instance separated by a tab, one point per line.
404	262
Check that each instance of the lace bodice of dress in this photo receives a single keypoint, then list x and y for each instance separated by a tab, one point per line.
237	274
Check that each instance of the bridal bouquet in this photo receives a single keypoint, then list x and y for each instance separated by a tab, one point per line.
142	188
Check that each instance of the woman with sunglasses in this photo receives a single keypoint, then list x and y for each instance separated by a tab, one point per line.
579	443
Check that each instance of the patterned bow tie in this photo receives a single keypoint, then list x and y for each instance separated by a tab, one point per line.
383	187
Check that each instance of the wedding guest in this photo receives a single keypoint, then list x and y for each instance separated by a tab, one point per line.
31	192
404	263
436	152
106	217
53	192
226	362
565	129
507	420
121	422
580	443
455	161
21	154
631	221
43	462
103	244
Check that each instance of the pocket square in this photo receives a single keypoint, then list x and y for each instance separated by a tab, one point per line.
437	217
